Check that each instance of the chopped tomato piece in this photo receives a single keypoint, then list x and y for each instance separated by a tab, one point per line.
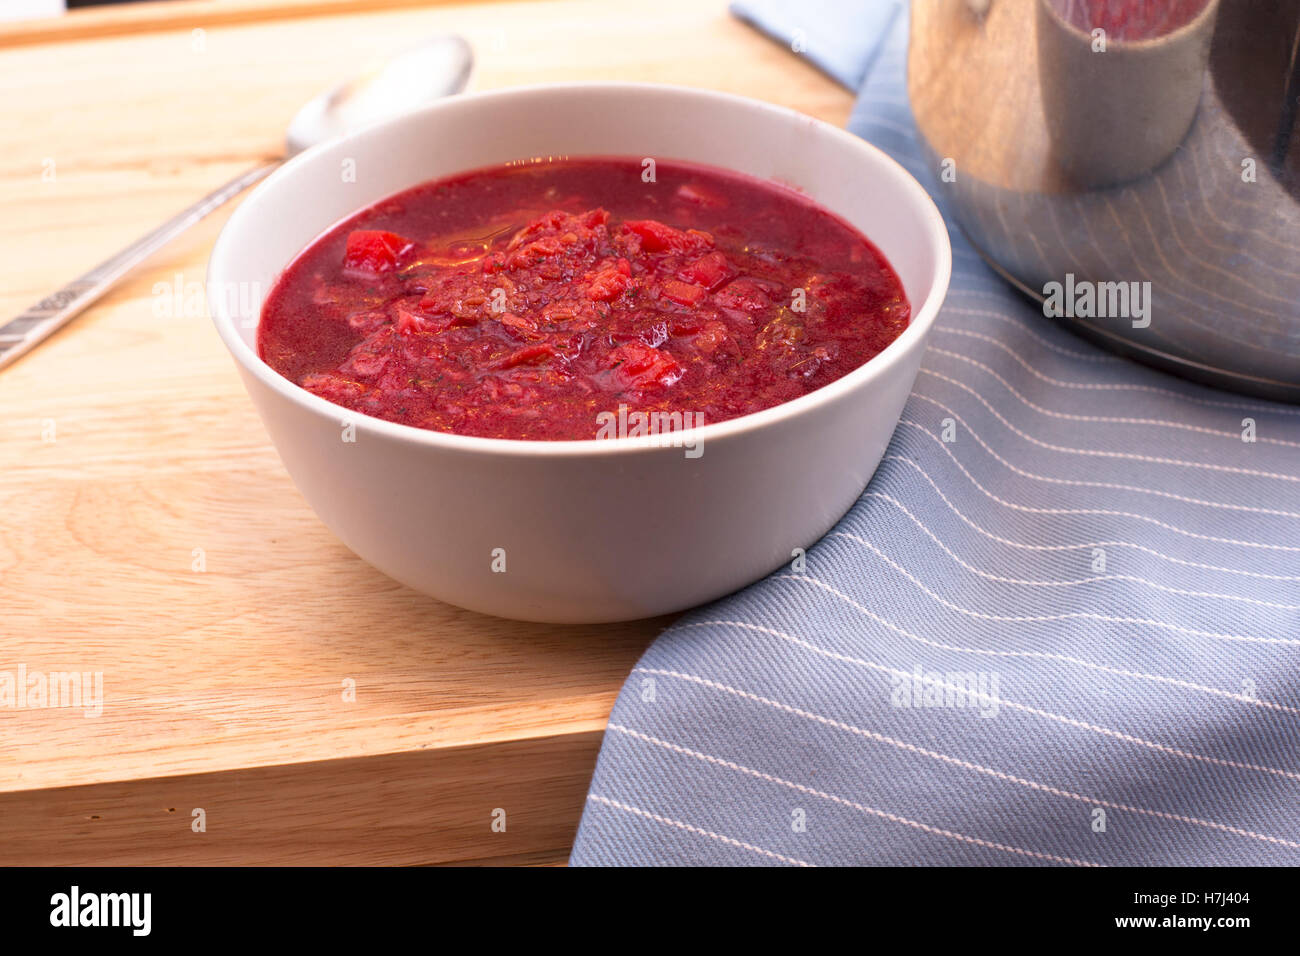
655	236
544	248
637	365
372	250
421	320
682	292
710	271
408	320
609	284
521	326
698	240
528	355
711	336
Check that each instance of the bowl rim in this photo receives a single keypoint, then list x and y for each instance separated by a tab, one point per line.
912	336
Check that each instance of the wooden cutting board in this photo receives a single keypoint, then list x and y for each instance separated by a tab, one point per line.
257	678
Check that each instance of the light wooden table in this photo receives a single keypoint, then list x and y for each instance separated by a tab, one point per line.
130	456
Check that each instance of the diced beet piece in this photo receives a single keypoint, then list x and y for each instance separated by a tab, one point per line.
682	292
373	250
710	271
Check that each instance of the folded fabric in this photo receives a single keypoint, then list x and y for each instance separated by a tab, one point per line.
1061	626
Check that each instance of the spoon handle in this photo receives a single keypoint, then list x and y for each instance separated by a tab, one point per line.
24	332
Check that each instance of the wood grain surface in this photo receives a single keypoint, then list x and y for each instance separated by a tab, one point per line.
149	532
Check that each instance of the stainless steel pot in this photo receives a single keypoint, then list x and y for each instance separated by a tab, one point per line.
1117	146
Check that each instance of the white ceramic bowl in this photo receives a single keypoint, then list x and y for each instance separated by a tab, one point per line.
589	530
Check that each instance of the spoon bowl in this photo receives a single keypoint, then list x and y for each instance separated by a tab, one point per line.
431	70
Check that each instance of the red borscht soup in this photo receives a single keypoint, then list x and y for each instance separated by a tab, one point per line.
537	299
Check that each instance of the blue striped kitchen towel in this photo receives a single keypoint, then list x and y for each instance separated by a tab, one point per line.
1070	636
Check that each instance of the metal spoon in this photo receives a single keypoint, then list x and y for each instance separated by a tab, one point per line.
434	69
